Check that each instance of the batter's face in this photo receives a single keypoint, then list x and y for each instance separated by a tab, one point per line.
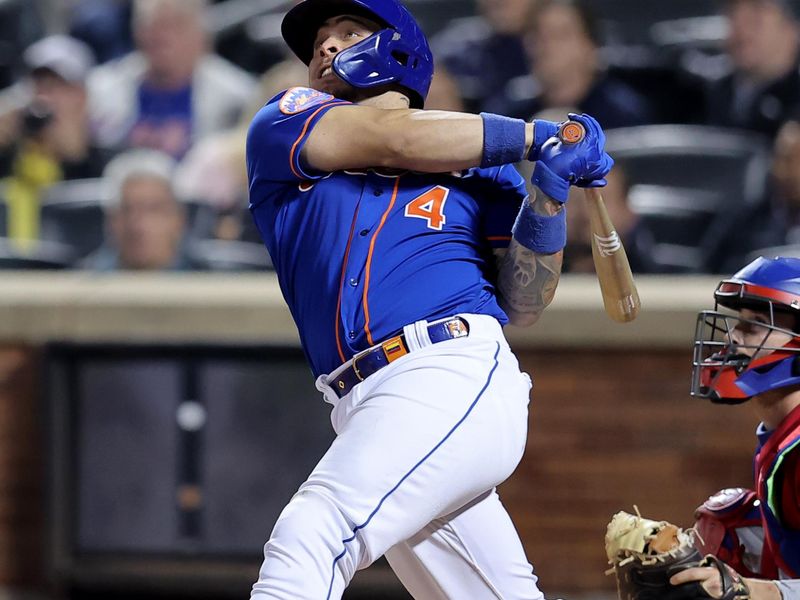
336	34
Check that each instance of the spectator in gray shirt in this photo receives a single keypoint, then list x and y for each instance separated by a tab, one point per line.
145	220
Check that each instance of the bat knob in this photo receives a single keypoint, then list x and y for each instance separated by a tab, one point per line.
571	132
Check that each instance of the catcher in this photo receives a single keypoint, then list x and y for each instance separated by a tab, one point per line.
656	560
750	539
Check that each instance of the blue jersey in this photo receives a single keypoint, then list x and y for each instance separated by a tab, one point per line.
360	254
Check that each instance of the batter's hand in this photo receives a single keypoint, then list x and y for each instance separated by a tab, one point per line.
606	162
542	131
562	164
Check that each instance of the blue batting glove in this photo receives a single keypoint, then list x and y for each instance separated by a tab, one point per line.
542	131
598	179
584	164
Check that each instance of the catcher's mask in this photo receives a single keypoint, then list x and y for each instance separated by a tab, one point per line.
398	54
724	369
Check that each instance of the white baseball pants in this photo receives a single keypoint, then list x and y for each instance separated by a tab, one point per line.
420	446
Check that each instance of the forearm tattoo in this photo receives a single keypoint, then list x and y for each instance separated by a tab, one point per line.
526	280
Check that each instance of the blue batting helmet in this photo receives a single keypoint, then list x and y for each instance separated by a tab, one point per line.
397	54
730	373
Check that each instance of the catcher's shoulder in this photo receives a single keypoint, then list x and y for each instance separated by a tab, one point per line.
728	500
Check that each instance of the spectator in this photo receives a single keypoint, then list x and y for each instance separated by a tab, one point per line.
775	221
173	90
213	174
778	222
485	52
48	137
104	25
637	239
145	221
563	38
763	84
786	177
213	171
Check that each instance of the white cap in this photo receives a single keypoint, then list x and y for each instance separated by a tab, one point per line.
65	56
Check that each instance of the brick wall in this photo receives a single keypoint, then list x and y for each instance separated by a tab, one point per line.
21	469
610	429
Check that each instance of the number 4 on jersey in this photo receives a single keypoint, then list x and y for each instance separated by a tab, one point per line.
429	206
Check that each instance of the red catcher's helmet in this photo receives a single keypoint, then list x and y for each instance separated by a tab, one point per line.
726	372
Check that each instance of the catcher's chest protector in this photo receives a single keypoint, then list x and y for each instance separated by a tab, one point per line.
729	526
783	543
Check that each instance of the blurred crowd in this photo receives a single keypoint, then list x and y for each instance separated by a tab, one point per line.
122	122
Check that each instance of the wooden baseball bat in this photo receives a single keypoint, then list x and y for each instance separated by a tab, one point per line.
620	296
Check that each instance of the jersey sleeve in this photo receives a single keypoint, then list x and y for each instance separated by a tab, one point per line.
503	199
279	131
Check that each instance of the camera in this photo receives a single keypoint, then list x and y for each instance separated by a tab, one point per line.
35	117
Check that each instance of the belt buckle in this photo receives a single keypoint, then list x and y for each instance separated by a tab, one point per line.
355	360
355	365
392	349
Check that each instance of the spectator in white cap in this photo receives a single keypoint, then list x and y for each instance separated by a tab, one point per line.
173	90
47	135
64	56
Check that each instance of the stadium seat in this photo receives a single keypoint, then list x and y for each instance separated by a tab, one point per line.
201	219
223	255
45	255
690	185
72	214
702	33
435	15
664	51
789	250
630	21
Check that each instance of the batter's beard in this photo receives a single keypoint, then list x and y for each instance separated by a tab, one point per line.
338	88
342	90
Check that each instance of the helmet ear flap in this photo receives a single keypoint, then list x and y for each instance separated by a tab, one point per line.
385	58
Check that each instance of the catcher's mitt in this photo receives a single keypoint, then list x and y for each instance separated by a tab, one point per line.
644	554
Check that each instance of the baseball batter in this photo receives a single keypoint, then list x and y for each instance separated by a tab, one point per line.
390	229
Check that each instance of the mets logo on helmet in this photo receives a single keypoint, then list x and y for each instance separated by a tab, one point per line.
298	99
